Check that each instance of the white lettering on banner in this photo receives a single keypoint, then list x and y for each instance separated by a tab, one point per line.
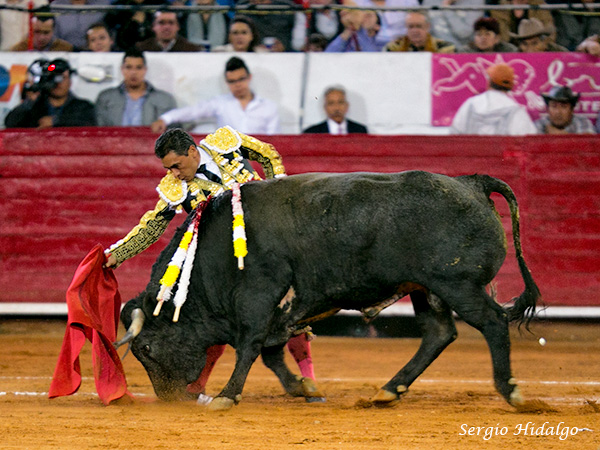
588	106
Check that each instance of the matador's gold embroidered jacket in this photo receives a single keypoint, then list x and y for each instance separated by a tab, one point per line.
231	150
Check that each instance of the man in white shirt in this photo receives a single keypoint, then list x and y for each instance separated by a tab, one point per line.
241	109
494	112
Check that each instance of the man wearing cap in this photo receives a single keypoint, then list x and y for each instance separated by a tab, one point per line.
56	106
509	19
533	37
561	102
494	112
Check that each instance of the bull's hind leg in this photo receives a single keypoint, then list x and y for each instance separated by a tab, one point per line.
480	311
438	330
294	385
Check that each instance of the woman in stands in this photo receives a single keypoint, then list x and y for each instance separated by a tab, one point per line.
243	37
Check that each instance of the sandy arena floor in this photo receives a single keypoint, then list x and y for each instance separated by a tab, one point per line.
453	397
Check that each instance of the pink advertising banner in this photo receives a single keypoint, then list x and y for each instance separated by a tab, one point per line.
455	78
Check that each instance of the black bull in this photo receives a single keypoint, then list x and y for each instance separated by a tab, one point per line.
325	242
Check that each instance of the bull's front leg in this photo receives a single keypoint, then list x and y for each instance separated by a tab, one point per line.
231	394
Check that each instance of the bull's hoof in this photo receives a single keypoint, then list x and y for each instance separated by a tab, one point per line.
516	399
311	391
385	398
221	404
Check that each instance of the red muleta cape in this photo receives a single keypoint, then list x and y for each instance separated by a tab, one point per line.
94	304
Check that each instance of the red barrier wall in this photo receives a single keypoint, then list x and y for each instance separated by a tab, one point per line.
62	191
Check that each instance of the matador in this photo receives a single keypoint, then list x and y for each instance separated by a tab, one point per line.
193	173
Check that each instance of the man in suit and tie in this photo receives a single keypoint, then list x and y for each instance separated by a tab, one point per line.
336	107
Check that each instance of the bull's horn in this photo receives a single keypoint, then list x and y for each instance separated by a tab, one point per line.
137	322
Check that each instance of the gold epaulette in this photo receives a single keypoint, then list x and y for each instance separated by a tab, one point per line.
266	151
227	140
172	190
224	140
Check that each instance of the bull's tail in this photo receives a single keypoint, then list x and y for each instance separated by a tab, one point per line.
523	308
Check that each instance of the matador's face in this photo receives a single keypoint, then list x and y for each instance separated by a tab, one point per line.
183	167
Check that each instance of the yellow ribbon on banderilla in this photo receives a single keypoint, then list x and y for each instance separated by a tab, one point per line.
239	227
181	263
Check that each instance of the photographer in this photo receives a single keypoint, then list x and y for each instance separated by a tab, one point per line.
55	106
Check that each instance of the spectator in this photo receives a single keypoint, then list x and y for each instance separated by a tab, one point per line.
324	22
561	102
135	102
206	28
275	29
487	38
131	27
418	38
166	39
316	43
56	106
591	45
15	24
360	33
72	26
336	107
393	23
43	37
494	112
241	108
533	37
453	26
571	29
509	19
99	39
243	37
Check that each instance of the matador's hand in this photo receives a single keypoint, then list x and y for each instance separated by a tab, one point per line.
158	126
111	262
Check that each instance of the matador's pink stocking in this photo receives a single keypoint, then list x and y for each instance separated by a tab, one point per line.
299	347
212	355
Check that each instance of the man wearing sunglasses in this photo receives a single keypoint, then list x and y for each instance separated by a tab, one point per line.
241	108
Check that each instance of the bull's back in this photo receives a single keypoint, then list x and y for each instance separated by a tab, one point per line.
347	231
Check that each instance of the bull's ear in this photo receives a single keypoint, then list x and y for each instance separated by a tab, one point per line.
148	304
